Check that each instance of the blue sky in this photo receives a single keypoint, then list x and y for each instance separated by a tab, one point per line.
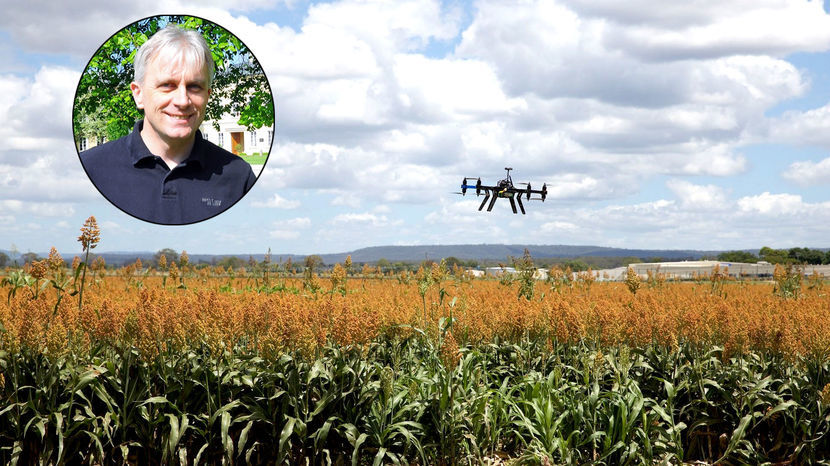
688	125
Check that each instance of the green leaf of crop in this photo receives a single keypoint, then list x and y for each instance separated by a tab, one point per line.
227	442
781	407
287	430
737	436
357	444
198	458
155	400
59	431
225	408
379	456
243	437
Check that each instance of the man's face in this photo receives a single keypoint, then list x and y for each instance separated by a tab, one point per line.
173	95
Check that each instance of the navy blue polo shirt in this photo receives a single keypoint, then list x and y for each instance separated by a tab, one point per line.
206	183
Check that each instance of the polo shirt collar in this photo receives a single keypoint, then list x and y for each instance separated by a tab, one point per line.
139	151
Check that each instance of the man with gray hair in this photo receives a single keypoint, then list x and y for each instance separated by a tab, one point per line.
164	171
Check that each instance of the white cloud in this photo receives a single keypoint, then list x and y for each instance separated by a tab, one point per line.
277	202
347	199
595	98
692	196
801	127
37	112
298	222
289	228
283	234
42	209
808	173
405	24
90	22
772	204
450	90
365	218
657	31
715	160
559	227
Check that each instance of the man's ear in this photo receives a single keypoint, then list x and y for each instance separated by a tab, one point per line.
138	96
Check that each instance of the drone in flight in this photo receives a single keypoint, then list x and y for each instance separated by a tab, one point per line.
504	188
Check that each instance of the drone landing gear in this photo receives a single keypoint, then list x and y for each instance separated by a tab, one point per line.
486	196
492	202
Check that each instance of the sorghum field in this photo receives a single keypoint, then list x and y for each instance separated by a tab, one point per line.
186	365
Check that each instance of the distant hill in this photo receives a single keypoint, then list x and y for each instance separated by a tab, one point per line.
502	252
477	252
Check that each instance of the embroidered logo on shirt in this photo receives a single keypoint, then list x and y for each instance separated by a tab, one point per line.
210	202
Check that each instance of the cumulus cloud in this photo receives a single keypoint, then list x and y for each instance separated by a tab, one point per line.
365	218
773	204
656	31
42	209
692	196
289	228
382	108
808	173
37	112
800	127
90	22
277	202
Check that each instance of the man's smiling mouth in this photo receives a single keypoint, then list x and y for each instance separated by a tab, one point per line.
179	117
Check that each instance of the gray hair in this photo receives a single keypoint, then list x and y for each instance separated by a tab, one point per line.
190	44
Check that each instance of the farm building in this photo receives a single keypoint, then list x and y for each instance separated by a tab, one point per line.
540	274
689	269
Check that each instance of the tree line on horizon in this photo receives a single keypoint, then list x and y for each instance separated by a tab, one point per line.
792	256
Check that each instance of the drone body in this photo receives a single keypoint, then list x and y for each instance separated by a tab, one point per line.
505	189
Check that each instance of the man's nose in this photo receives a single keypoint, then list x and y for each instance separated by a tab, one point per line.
180	96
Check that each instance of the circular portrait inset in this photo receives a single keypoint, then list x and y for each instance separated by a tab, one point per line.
173	119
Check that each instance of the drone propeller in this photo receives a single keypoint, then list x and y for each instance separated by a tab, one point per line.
465	186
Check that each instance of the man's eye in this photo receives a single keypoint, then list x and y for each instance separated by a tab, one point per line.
167	86
194	87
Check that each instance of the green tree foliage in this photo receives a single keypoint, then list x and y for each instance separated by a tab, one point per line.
384	264
576	265
454	261
738	256
794	256
29	257
232	262
104	103
4	259
171	255
774	256
806	256
313	262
